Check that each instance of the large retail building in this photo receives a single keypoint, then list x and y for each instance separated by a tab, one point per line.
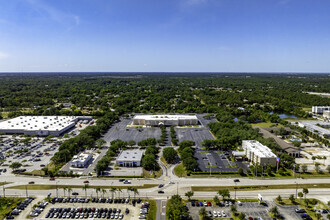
40	125
258	153
165	120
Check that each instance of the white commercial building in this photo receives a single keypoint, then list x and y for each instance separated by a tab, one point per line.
326	114
81	160
166	120
320	109
40	125
130	158
258	153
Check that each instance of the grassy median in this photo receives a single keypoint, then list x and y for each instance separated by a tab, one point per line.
48	187
259	187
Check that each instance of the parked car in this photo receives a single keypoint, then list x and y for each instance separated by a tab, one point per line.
300	210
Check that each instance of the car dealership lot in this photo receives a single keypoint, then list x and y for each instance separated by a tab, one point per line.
73	208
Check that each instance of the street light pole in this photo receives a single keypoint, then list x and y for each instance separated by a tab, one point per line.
56	189
235	190
4	191
26	192
296	190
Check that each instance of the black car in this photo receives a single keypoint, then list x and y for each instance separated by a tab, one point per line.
126	211
121	180
161	191
160	185
236	180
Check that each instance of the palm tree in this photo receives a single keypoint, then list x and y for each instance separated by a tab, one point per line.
189	194
113	190
103	191
85	187
203	213
119	190
98	189
69	189
64	189
135	191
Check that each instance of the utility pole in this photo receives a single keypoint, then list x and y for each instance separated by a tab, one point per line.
56	190
296	190
26	192
235	189
177	189
4	191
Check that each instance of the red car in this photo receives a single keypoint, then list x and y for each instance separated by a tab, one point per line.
52	179
209	203
86	181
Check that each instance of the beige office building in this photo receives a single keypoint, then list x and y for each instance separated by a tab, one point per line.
258	153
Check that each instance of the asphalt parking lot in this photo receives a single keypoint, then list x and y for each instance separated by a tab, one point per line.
251	209
194	134
219	162
120	131
35	154
197	134
89	210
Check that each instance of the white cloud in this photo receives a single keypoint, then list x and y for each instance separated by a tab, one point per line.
54	14
3	55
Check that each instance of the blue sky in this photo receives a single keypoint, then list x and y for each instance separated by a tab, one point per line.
165	35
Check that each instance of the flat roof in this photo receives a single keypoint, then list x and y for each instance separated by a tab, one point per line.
258	148
33	123
82	157
166	117
130	155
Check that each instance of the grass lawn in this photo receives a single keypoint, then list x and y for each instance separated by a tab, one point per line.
259	187
180	171
48	187
3	183
155	174
152	210
8	204
266	125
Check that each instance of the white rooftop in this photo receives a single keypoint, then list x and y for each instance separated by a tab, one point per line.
259	149
80	158
130	155
165	117
32	123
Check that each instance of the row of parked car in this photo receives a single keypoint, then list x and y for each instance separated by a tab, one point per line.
76	213
20	207
94	200
144	210
38	210
208	203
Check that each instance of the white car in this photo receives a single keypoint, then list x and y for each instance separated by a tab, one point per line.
215	214
219	214
223	214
